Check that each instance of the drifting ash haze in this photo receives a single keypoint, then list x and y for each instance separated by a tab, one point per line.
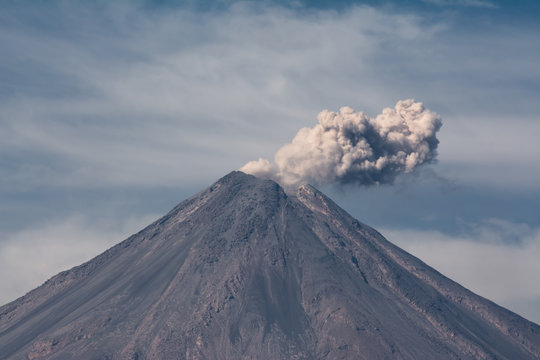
243	270
351	147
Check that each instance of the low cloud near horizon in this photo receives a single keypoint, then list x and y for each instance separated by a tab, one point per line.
483	262
30	257
480	260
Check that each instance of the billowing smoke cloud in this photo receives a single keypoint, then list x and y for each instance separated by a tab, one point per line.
349	147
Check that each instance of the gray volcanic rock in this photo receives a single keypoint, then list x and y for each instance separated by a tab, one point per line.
243	270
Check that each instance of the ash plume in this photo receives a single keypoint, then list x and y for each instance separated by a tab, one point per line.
349	147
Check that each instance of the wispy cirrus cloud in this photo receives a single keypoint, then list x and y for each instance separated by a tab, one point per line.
127	89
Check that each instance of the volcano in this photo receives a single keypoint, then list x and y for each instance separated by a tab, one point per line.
244	270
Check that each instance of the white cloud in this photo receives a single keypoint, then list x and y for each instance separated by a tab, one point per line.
505	272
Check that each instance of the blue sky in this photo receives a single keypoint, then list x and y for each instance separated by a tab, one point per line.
112	113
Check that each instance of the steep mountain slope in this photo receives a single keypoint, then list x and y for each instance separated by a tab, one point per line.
243	270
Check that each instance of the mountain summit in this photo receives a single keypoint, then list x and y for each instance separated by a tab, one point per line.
243	270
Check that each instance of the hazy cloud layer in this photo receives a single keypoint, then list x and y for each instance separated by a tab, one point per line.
30	257
351	147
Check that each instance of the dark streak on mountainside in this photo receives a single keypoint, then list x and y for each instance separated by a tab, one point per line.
243	270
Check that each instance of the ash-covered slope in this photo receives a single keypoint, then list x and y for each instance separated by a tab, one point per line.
242	270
